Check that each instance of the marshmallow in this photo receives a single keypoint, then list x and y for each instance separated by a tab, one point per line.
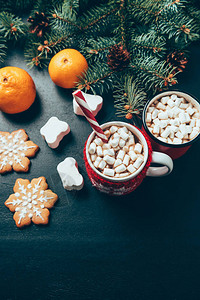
160	106
117	162
123	174
107	133
109	159
148	117
183	105
173	97
166	133
138	148
99	151
156	129
190	111
193	134
138	162
106	146
162	139
94	102
121	168
114	142
131	168
126	160
171	103
164	100
122	143
179	135
109	172
198	123
154	113
163	116
98	141
177	141
92	148
124	135
121	154
102	165
156	121
113	129
163	124
54	131
97	161
126	148
69	174
178	102
93	157
132	155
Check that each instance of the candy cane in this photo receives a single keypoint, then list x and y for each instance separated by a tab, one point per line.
80	99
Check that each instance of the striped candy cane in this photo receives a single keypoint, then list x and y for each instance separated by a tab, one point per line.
80	99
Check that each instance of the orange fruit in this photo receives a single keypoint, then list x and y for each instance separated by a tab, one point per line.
66	66
17	90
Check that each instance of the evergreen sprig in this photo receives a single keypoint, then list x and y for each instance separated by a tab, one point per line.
12	27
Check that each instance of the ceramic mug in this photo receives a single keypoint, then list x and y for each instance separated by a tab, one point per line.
121	186
173	150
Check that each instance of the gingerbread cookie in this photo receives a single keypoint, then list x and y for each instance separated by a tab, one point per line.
15	150
31	201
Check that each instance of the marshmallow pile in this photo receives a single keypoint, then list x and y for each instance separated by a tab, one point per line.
121	156
173	120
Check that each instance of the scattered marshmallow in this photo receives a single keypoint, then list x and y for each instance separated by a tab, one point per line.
54	131
94	102
69	174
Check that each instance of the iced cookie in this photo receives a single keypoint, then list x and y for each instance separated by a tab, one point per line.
30	201
15	150
54	131
69	174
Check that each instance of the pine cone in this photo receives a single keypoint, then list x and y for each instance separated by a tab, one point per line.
39	24
118	58
177	59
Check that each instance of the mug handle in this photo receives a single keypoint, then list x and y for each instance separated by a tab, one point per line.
161	159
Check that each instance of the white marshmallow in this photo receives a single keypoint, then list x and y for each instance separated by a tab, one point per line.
111	152
187	118
122	143
92	148
109	159
131	141
197	123
171	135
179	135
107	133
123	174
116	135
162	139
154	113
124	135
132	155
98	141
177	141
99	151
163	115
182	117
192	122
121	168
148	117
190	111
138	148
109	172
173	97
163	123
178	102
97	161
171	103
131	168
150	109
93	157
106	146
102	165
138	162
160	106
166	133
193	134
156	129
164	100
188	128
156	121
126	160
114	142
113	129
121	154
125	129
117	162
196	115
184	105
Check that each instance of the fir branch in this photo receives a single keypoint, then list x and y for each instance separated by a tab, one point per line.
96	79
98	49
3	49
148	44
130	98
11	27
152	73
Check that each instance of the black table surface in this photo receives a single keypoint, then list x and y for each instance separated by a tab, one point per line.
145	245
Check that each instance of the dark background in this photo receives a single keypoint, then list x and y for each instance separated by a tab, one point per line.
142	246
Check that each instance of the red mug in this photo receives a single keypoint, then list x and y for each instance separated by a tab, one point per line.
173	150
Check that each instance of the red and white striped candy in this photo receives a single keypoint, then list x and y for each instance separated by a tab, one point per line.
78	96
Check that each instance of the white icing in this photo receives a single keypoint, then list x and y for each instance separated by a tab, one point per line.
26	202
13	150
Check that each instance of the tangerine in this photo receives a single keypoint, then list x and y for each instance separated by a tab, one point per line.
66	66
17	90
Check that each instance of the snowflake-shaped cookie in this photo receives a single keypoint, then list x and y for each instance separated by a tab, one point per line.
14	150
31	201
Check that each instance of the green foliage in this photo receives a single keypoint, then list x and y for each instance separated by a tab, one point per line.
3	49
11	27
129	97
148	29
